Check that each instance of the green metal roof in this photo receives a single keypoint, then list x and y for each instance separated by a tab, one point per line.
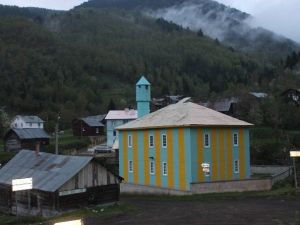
143	81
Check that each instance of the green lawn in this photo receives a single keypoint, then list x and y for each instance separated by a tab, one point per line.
6	156
67	142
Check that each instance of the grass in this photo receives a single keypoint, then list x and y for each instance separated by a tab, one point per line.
68	142
96	211
6	156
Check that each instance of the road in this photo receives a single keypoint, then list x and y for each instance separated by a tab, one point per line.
208	212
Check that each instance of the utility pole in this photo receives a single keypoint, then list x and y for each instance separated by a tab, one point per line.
56	134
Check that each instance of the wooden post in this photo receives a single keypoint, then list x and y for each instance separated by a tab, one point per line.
295	173
16	203
29	201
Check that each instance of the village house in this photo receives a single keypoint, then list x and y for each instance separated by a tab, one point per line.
59	183
117	118
89	126
25	138
226	106
182	145
27	122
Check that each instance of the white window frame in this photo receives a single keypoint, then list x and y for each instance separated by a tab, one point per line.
162	141
164	168
129	139
236	166
152	163
151	136
130	166
208	138
97	130
236	144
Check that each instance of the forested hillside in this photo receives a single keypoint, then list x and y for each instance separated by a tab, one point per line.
75	62
230	26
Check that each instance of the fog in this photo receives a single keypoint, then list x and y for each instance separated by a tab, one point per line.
280	16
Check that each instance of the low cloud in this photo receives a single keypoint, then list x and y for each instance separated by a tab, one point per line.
280	16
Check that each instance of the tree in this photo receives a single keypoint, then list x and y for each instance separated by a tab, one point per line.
111	105
4	122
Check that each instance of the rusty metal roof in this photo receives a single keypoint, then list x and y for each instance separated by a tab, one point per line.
48	171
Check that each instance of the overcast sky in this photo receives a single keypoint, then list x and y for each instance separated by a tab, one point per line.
49	4
281	16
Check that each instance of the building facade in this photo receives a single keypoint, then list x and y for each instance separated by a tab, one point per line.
117	118
182	144
91	126
27	122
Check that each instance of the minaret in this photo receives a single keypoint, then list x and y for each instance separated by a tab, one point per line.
143	97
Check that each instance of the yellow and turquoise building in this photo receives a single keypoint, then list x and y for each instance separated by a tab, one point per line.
182	144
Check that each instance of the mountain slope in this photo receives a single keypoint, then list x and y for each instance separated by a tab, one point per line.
74	62
228	25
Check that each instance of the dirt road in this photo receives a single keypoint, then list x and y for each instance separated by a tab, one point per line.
208	212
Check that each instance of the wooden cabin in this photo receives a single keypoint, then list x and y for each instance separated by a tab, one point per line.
60	183
90	126
26	138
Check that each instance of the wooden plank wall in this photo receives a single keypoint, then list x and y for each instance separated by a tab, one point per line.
92	175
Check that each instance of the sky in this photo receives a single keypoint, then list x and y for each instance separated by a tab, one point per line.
49	4
280	16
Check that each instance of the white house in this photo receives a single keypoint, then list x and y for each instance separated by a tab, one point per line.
27	122
117	118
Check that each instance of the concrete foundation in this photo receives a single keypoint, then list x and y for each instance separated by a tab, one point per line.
232	186
202	188
150	190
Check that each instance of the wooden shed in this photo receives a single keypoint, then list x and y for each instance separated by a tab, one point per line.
25	138
60	183
90	126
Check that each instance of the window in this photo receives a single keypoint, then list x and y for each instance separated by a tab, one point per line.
129	141
130	166
164	140
115	133
236	166
151	141
97	130
235	139
206	140
30	124
152	167
165	168
39	124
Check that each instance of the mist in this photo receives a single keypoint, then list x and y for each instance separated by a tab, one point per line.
280	16
213	19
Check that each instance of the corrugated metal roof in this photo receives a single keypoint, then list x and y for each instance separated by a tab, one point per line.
183	114
129	114
30	133
32	119
94	121
48	171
